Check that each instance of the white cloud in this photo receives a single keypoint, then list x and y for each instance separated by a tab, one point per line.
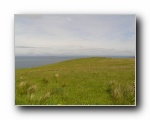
65	34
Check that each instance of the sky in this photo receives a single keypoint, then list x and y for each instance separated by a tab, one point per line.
75	35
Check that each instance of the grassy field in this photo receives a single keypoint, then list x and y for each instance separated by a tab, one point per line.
84	81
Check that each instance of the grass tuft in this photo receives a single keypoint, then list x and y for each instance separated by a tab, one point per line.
121	93
45	80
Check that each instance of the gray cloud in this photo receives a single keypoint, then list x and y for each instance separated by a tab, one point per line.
30	47
24	47
75	34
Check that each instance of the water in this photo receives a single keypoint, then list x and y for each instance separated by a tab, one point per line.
33	61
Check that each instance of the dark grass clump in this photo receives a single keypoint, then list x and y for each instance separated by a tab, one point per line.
121	93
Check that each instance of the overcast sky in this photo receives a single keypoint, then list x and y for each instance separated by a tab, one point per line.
98	35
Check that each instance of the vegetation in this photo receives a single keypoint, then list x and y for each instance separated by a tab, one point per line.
84	81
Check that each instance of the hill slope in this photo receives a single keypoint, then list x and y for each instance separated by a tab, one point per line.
85	81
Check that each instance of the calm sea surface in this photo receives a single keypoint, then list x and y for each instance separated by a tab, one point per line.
33	61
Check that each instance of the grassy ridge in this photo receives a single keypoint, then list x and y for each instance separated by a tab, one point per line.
84	81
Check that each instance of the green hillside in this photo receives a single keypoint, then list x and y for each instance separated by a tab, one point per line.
84	81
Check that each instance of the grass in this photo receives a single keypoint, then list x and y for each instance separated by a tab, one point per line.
84	81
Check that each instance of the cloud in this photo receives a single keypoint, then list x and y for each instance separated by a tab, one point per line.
24	47
65	34
29	47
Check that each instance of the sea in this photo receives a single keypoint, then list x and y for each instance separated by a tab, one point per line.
34	61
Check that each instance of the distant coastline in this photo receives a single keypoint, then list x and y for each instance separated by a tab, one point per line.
33	61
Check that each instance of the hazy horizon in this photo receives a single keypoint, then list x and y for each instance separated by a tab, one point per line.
41	55
75	35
